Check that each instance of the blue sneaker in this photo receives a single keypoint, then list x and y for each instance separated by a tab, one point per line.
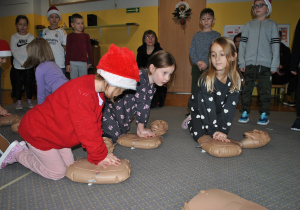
244	118
264	119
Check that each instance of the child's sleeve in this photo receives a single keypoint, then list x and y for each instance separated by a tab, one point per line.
15	51
68	50
226	116
40	82
143	99
242	47
193	53
63	37
87	125
275	44
207	109
89	49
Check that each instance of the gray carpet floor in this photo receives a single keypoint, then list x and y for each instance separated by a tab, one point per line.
173	173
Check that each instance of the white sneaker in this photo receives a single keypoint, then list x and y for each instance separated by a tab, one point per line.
184	124
30	104
19	104
9	155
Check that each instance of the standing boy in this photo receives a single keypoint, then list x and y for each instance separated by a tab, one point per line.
56	37
78	47
258	57
200	45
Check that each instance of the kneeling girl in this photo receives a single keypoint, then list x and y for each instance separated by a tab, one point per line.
214	103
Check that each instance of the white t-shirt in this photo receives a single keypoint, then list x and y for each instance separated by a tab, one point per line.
56	38
18	44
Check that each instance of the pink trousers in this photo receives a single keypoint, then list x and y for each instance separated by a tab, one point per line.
50	164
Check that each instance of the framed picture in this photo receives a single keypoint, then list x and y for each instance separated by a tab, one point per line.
62	2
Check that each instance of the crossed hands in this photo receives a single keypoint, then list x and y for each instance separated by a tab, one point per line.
220	136
144	132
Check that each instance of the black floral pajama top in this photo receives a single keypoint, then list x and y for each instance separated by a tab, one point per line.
117	116
212	111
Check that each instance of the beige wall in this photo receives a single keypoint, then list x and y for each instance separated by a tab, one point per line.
233	13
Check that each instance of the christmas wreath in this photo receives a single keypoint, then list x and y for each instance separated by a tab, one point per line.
182	12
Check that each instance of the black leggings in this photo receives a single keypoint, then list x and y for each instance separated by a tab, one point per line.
24	77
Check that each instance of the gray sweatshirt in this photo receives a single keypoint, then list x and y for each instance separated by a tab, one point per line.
200	45
260	44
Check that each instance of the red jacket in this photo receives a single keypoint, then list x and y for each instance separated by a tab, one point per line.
68	117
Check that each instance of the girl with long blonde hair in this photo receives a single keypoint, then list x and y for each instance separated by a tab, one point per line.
214	103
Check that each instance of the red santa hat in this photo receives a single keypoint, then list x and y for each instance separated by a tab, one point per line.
4	49
53	10
119	68
268	3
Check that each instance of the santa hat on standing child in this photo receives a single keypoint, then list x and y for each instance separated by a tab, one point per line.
4	49
268	3
119	68
53	10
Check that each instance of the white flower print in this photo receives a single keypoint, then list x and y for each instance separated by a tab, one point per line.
206	126
202	117
228	123
195	133
127	110
219	93
233	103
229	83
202	100
223	128
146	106
225	111
197	116
118	108
216	126
222	102
192	108
202	126
138	113
209	110
192	96
110	106
144	89
215	121
122	116
110	127
210	98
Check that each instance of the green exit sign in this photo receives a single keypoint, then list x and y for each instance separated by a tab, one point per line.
133	10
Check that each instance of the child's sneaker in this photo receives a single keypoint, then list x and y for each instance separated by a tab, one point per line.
24	145
184	124
264	119
9	155
296	125
244	118
19	104
30	104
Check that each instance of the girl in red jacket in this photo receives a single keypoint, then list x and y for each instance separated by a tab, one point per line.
71	116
